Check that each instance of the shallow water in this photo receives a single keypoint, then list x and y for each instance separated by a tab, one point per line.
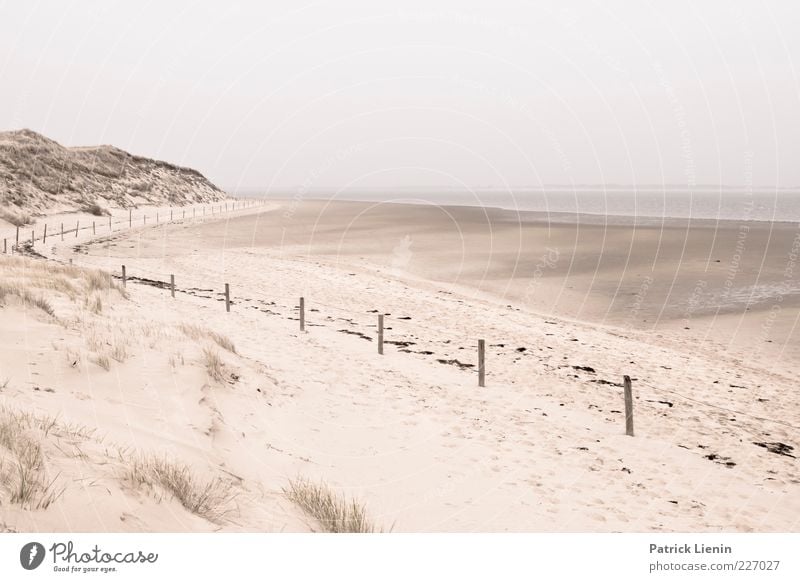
728	204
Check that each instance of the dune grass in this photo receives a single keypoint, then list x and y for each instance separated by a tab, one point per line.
335	513
23	475
212	500
213	364
197	332
24	276
102	361
25	296
16	217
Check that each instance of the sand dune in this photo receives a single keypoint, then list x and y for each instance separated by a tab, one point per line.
540	448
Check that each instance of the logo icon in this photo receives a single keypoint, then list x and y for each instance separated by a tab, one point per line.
31	555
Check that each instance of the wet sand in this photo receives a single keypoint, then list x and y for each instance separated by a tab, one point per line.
541	447
725	281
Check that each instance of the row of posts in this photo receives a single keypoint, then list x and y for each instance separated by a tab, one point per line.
110	226
626	380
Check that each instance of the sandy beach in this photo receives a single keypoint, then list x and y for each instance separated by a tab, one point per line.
563	308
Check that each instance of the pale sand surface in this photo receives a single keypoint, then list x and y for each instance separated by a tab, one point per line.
540	448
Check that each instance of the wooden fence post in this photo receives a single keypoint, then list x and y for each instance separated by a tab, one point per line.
33	236
130	218
77	224
156	217
109	224
302	314
626	380
227	297
5	246
44	237
94	230
62	231
17	240
481	363
380	333
124	277
170	214
172	285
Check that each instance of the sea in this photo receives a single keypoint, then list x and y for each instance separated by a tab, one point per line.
768	204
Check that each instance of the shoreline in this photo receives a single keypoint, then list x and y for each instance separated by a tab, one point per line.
554	217
540	448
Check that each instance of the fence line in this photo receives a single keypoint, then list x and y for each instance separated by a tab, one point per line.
380	327
248	204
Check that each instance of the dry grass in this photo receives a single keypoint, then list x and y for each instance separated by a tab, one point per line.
88	285
22	465
214	365
94	304
25	296
102	361
212	500
15	216
95	209
335	513
119	350
197	332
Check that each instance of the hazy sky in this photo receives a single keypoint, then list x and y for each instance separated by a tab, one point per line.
310	95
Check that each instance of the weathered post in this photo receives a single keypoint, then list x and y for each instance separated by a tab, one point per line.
94	230
109	223
77	224
44	236
5	246
227	297
481	363
380	333
33	236
170	214
62	231
626	380
130	218
172	285
17	239
156	217
124	277
302	314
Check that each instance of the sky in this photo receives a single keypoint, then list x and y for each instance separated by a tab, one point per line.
348	95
